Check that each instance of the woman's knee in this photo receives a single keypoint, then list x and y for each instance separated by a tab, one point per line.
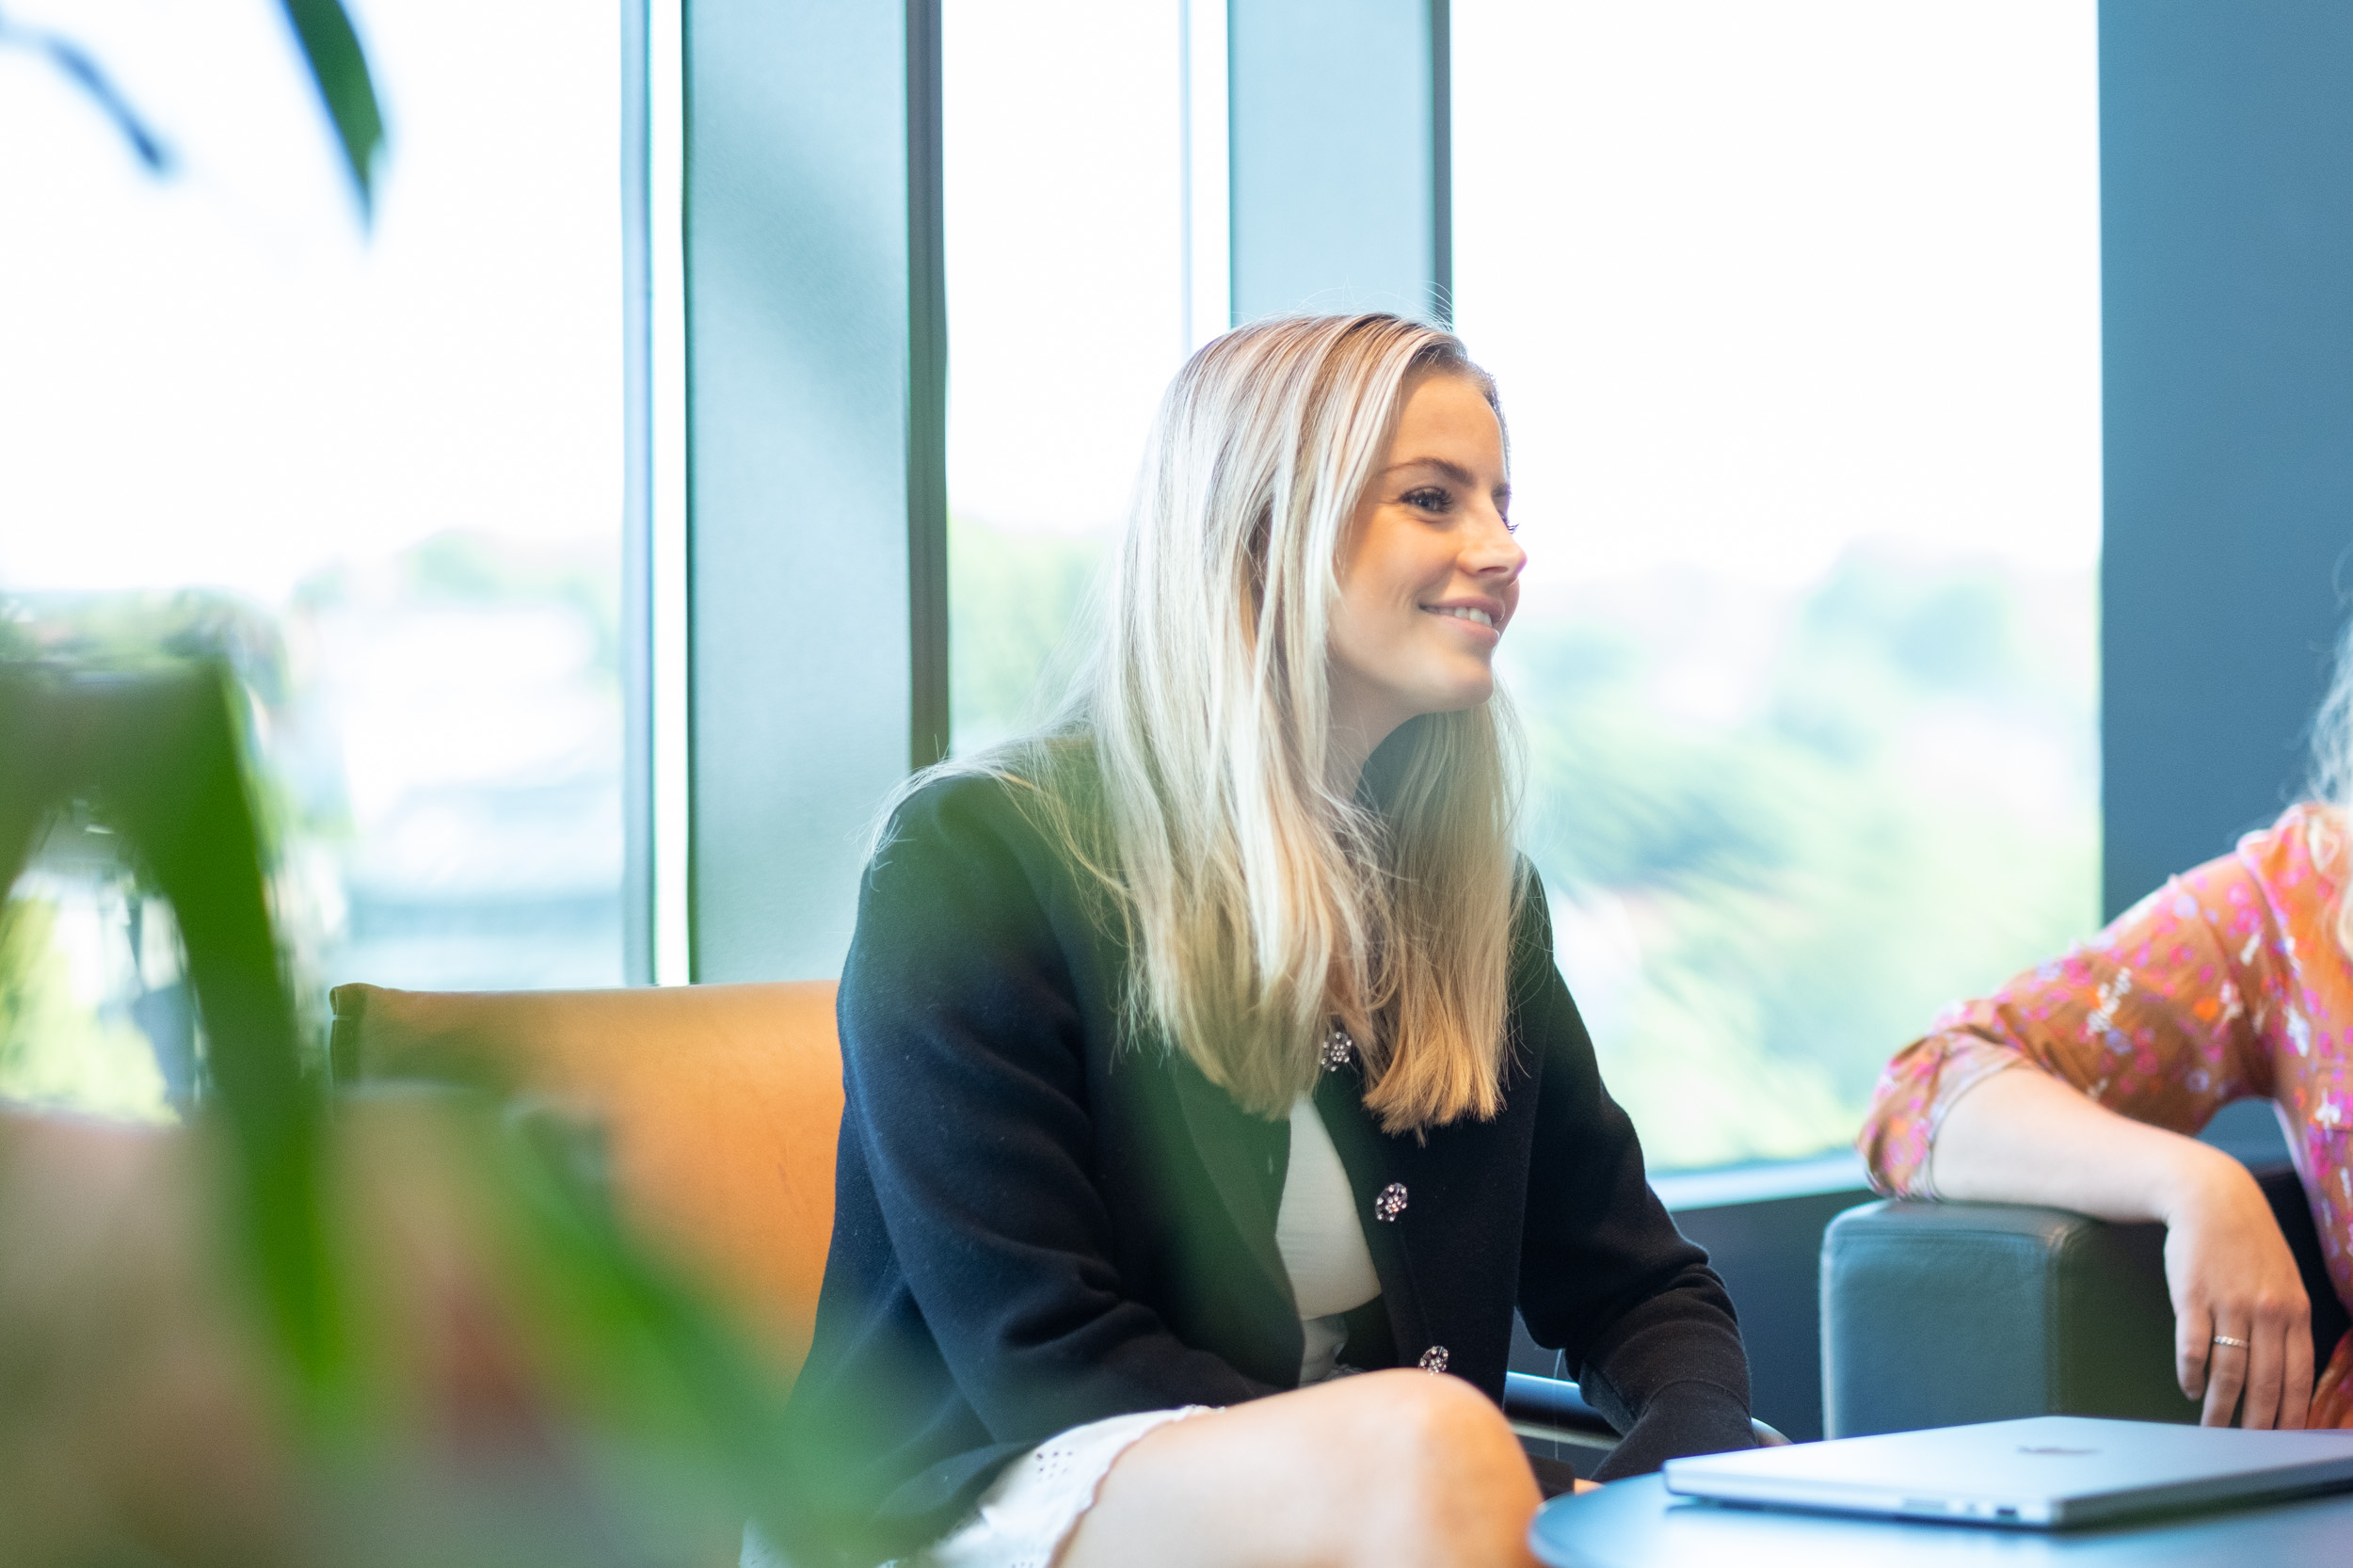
1387	1467
1450	1473
1434	1447
1432	1422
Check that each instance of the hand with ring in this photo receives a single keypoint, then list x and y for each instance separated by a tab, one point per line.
2242	1320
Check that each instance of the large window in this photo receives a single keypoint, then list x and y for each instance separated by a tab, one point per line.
1795	310
1794	306
381	466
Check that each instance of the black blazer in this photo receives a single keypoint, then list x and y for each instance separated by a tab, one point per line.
1039	1222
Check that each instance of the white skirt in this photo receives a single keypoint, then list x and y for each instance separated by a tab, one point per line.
1027	1513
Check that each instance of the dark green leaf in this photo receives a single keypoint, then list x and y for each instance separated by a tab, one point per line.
158	750
340	66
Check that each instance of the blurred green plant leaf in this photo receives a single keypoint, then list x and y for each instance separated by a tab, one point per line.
82	69
157	747
331	48
580	1405
340	66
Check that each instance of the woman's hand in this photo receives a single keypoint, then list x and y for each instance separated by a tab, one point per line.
2230	1273
2024	1137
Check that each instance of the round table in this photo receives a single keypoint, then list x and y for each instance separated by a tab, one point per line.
1639	1524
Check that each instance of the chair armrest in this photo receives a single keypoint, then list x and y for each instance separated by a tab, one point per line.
1555	1408
1936	1314
1940	1313
1552	1402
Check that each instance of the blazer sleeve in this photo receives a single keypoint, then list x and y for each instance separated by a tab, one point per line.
1603	1274
964	1071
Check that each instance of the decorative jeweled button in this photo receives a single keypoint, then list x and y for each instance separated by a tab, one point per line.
1433	1359
1391	1203
1337	1049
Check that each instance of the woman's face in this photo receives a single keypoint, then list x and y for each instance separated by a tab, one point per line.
1429	573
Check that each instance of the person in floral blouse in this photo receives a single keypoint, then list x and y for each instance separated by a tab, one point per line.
2229	982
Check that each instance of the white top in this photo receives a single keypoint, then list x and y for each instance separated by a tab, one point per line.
1322	1242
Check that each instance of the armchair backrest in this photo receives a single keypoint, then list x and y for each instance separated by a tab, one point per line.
719	1105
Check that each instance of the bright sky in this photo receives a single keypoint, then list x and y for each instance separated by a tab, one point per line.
1760	279
220	379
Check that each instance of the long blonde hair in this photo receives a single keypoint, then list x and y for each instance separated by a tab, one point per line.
1187	768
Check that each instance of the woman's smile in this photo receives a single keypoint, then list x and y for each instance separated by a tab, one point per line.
1485	617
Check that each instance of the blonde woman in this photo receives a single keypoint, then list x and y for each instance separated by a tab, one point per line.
1208	1047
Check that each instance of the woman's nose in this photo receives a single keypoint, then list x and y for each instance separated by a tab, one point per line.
1494	552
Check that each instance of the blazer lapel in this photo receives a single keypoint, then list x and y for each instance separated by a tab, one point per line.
1246	1159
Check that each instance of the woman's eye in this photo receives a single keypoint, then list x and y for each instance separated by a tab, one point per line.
1428	500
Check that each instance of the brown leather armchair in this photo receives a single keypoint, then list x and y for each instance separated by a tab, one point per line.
718	1107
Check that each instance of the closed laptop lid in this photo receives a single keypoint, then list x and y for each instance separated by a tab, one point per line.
2045	1470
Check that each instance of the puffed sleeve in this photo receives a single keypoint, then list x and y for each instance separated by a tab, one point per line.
2155	1018
1603	1274
965	1091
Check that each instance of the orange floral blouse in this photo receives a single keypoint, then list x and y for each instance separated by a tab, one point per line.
2227	982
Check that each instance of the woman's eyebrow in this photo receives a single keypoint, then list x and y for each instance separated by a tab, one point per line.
1455	472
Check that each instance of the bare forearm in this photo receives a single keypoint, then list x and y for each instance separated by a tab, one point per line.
2024	1137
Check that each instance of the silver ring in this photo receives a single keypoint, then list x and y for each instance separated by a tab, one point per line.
2235	1343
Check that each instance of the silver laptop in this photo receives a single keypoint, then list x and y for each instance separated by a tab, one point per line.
2044	1472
